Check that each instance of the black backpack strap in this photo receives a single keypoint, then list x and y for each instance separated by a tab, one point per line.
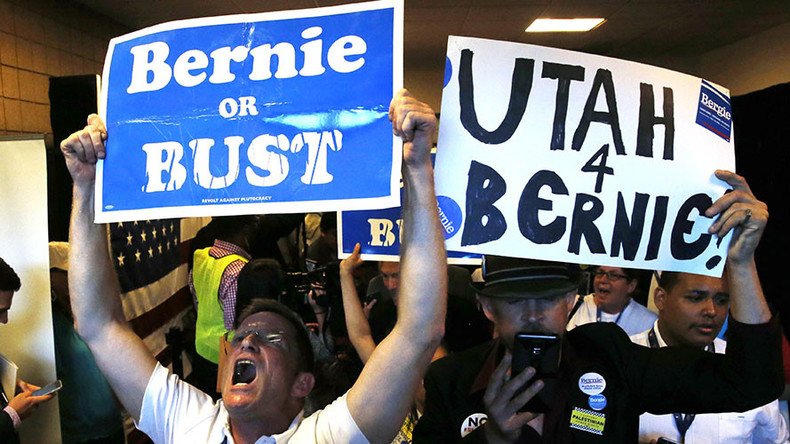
579	302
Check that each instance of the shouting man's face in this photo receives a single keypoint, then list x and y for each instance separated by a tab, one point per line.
261	375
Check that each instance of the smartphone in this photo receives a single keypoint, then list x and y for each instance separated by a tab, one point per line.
49	388
541	352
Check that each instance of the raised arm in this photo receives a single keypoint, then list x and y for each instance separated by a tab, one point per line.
95	295
672	379
382	396
747	216
356	322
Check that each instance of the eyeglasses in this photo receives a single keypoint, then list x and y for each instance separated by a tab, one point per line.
262	337
612	276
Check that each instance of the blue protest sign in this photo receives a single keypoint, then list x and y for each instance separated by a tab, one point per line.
272	112
378	232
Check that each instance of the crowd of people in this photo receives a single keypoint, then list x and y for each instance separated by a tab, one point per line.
422	354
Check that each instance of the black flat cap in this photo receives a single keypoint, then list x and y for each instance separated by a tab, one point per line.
508	277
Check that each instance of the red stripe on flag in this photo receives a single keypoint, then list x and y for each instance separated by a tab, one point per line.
154	319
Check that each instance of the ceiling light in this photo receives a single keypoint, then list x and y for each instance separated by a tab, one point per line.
564	25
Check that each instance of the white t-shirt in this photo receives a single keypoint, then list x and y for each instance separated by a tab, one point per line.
761	425
175	412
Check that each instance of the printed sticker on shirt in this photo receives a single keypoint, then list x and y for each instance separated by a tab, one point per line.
592	383
597	402
587	421
472	422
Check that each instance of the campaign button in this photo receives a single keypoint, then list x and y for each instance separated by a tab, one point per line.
592	383
597	402
472	422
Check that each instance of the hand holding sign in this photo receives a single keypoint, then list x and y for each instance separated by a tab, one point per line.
351	263
82	150
741	211
415	123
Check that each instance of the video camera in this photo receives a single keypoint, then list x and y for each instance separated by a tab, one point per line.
327	278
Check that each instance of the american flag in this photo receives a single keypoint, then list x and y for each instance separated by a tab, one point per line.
144	251
150	260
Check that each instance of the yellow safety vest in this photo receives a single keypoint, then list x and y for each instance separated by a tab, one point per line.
210	325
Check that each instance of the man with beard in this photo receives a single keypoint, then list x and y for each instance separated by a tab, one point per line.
691	311
603	382
267	373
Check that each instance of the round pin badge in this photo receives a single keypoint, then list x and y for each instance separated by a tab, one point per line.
592	383
472	422
597	402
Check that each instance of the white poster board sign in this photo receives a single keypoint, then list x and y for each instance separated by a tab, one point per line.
27	338
565	156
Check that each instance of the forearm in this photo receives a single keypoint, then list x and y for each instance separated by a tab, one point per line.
748	303
320	320
95	300
95	295
395	368
92	281
357	325
423	293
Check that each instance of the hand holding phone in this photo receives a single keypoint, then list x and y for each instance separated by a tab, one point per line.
541	352
49	388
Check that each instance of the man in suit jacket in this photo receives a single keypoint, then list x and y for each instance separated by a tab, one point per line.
21	405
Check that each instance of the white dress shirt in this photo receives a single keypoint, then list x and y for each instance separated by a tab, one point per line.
761	425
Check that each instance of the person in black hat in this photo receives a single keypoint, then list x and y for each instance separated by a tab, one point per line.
603	381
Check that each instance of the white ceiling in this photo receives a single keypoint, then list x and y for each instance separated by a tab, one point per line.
640	30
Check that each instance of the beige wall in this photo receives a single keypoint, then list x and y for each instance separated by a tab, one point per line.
43	38
426	84
745	66
751	64
39	39
27	339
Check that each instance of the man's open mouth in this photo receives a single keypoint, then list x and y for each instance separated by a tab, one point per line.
243	372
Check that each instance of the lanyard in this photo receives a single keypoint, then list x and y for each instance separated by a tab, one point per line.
682	421
617	320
